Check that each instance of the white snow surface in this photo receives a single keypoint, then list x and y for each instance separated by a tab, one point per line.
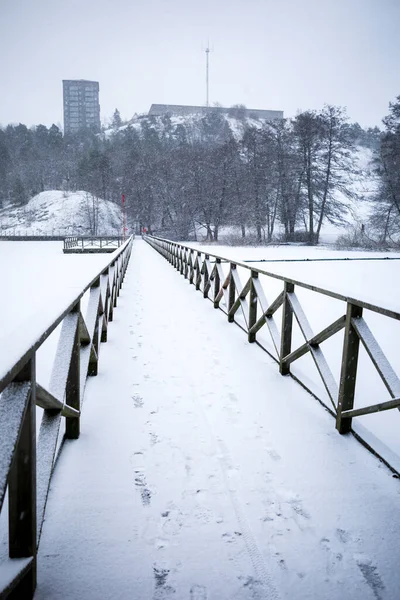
39	282
61	213
201	473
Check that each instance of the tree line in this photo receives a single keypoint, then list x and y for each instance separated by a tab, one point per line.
204	172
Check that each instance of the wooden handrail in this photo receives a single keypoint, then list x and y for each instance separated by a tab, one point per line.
76	357
203	269
97	241
221	259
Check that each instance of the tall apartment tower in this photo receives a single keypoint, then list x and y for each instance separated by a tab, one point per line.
81	105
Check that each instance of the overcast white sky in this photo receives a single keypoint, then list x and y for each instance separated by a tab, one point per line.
282	54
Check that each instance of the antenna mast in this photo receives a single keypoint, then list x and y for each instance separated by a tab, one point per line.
207	78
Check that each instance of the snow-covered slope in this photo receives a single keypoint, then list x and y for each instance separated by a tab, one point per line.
62	213
193	125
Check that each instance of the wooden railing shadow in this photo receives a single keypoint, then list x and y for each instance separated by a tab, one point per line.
226	291
26	466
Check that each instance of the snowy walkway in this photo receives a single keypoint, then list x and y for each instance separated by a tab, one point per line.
202	473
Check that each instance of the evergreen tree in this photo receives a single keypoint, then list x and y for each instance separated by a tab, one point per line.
116	120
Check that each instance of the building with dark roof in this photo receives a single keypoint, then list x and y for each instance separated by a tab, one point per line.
181	110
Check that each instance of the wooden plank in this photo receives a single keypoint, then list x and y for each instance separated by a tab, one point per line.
244	305
300	316
16	578
84	334
275	335
269	321
376	354
46	450
223	289
326	333
326	374
348	372
49	402
322	366
267	310
235	306
261	295
92	319
240	300
267	314
277	303
85	352
22	488
207	278
50	425
298	353
13	403
242	291
374	408
60	370
316	340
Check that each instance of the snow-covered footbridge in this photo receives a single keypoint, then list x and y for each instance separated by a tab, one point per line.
200	472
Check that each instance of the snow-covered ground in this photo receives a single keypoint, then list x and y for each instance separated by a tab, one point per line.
203	474
62	213
39	281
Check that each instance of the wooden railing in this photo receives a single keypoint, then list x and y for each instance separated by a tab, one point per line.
218	279
86	242
26	467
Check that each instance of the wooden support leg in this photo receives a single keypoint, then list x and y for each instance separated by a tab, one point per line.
348	372
252	307
22	491
287	322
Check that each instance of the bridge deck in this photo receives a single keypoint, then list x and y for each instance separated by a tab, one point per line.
202	473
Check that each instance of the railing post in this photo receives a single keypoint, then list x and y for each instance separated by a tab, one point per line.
217	283
286	333
181	261
186	263
231	297
22	489
252	307
348	372
191	267
206	276
198	272
73	388
106	306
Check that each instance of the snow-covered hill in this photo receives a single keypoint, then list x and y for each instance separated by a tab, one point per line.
194	125
62	213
